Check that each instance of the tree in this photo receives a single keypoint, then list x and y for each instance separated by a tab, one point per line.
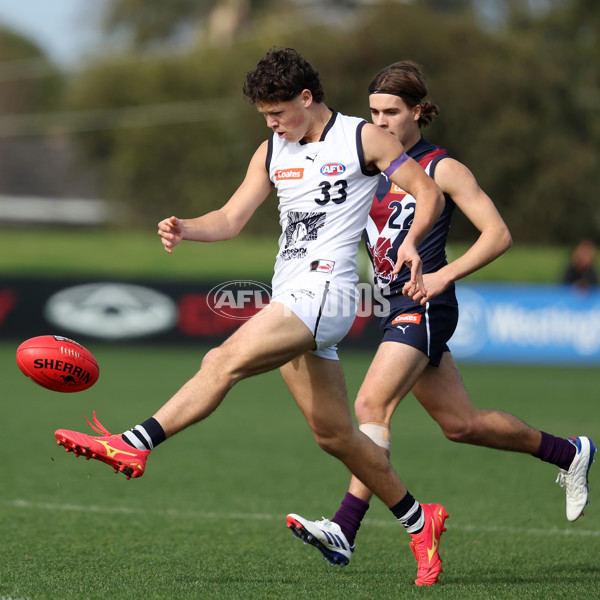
148	23
30	86
28	80
175	135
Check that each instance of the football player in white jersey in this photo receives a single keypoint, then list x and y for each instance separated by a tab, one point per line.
413	355
324	166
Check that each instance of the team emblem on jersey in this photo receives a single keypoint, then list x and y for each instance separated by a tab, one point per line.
332	169
382	254
301	227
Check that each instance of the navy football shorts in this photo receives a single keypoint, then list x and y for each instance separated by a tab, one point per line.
426	328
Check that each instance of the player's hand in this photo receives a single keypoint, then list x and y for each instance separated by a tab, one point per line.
171	233
434	283
408	255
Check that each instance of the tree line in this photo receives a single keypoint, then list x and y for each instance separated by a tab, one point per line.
163	119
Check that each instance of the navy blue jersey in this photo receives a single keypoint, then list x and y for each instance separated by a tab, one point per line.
391	215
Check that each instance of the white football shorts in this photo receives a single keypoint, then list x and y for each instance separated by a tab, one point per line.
328	310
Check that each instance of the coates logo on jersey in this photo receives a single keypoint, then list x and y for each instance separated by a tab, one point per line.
332	169
286	174
407	318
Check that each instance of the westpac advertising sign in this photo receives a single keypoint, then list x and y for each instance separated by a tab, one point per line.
527	323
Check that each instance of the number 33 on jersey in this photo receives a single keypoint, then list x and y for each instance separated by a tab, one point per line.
323	194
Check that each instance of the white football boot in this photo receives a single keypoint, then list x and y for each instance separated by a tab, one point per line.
575	480
324	535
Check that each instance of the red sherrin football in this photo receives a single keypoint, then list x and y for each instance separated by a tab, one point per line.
58	363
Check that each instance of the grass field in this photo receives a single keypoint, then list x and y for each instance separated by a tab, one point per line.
138	255
207	520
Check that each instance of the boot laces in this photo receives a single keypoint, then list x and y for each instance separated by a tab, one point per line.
97	426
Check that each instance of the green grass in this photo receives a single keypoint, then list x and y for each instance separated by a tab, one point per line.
207	520
139	255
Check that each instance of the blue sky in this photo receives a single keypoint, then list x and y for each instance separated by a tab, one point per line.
64	29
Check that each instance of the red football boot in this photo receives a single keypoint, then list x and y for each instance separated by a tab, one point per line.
109	449
426	544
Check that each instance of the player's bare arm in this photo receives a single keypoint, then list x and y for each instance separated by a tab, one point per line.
230	219
494	237
381	150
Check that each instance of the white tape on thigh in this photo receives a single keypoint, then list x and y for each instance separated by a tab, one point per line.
382	436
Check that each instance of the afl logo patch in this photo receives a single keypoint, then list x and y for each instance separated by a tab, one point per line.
332	169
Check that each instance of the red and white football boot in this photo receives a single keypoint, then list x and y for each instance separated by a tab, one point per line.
107	448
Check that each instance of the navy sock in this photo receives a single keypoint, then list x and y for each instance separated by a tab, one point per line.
349	516
557	451
146	436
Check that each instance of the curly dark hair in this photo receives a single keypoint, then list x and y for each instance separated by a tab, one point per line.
405	79
281	76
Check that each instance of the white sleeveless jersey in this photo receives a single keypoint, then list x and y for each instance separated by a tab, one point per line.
325	193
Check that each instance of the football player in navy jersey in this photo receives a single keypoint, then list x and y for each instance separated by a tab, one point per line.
413	355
